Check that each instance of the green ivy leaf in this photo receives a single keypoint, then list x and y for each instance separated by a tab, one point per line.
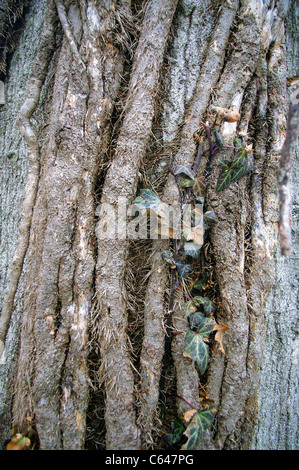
195	319
149	195
21	442
199	322
192	249
224	180
238	172
183	268
201	284
205	327
189	308
139	200
185	169
225	164
209	216
233	171
200	423
175	435
148	200
239	161
186	183
198	301
168	257
199	186
218	139
196	349
208	306
194	435
242	166
206	303
239	143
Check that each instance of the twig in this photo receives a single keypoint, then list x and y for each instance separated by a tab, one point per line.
189	404
198	159
211	147
178	288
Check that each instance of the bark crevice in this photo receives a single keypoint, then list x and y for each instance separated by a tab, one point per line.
134	83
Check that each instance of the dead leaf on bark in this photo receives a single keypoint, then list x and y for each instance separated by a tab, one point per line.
18	442
227	114
189	415
221	329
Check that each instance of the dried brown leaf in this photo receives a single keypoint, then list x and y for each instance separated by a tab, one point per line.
18	442
189	415
221	329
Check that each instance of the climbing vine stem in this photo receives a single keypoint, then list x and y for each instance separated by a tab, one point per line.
187	239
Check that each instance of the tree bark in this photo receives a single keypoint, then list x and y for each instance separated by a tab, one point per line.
88	355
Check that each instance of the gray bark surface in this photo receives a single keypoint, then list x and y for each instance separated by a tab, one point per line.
14	166
86	341
277	427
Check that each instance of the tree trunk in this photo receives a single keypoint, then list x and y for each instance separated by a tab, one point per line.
104	99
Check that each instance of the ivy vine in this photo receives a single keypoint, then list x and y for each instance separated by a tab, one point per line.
186	246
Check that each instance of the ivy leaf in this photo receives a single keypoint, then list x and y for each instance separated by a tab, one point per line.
199	322
202	283
224	180
139	200
233	171
225	164
195	234
175	435
189	308
205	302
196	349
242	165
183	268
199	186
200	423
185	169
192	249
238	172
189	415
149	195
208	306
148	200
219	139
239	143
18	442
186	183
239	161
205	327
209	216
194	435
198	301
168	257
195	319
206	418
